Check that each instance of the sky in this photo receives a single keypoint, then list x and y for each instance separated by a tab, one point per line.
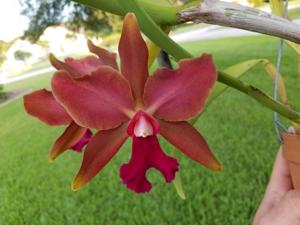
12	23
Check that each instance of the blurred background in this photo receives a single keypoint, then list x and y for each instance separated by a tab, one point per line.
238	129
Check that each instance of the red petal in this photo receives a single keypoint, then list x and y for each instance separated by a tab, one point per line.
100	150
146	153
187	139
77	67
72	135
42	104
180	94
108	58
101	100
84	66
134	57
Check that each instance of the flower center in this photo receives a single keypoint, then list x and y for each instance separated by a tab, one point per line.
143	128
142	125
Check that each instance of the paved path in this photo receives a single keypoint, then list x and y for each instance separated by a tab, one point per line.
4	80
13	98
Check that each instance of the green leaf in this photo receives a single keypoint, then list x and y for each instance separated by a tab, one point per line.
178	186
236	71
294	46
241	68
177	181
277	7
162	14
271	70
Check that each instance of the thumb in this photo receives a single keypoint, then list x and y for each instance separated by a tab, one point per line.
286	211
279	184
280	181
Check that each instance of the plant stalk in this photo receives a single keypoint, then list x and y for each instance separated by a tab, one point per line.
163	15
259	96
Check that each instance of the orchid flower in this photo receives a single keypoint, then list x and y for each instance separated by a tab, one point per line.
130	103
42	104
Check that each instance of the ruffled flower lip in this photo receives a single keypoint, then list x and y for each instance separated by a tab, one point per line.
146	154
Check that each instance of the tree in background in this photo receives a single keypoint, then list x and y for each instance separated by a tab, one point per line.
3	45
76	17
22	55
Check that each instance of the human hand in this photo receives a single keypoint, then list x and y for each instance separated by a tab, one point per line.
281	203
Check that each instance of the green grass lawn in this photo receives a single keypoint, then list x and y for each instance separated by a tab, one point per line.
238	129
294	13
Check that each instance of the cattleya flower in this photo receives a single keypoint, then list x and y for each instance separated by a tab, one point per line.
130	103
43	105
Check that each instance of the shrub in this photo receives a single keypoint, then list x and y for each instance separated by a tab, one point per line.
22	55
2	93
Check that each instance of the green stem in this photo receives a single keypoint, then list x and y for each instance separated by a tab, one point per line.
162	14
154	32
259	96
